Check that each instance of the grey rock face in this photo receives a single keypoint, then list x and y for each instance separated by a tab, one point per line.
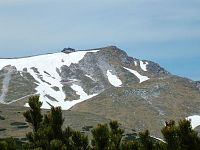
15	84
7	70
156	69
91	72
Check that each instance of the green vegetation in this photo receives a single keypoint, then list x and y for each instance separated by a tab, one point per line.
34	116
181	136
48	134
8	144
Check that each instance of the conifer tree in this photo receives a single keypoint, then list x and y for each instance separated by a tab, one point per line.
80	141
180	137
56	145
8	144
53	121
116	134
129	145
67	134
101	137
171	135
145	140
33	115
188	138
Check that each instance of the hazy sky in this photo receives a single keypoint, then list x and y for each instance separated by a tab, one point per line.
165	31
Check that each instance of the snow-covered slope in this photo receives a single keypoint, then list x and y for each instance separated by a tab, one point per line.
65	79
46	73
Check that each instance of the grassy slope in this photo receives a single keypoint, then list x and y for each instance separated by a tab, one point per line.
16	126
169	98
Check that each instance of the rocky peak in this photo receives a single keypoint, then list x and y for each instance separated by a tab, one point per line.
118	56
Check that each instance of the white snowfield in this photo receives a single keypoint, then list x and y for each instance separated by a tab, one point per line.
48	67
143	65
139	76
195	121
113	79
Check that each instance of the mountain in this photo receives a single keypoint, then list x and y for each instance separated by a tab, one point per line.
64	79
103	83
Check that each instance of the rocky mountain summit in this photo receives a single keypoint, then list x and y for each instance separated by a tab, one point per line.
63	79
102	82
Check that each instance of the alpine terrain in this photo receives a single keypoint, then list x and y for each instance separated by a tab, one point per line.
93	86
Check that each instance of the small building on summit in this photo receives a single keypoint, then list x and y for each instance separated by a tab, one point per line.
68	50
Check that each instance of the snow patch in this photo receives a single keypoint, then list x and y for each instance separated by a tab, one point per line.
79	91
139	76
143	65
195	120
135	62
113	79
89	76
51	64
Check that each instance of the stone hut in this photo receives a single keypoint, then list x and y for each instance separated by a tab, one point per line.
68	50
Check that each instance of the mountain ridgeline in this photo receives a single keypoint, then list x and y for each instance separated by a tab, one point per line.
72	75
104	82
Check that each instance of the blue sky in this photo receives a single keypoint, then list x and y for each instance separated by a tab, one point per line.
165	31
